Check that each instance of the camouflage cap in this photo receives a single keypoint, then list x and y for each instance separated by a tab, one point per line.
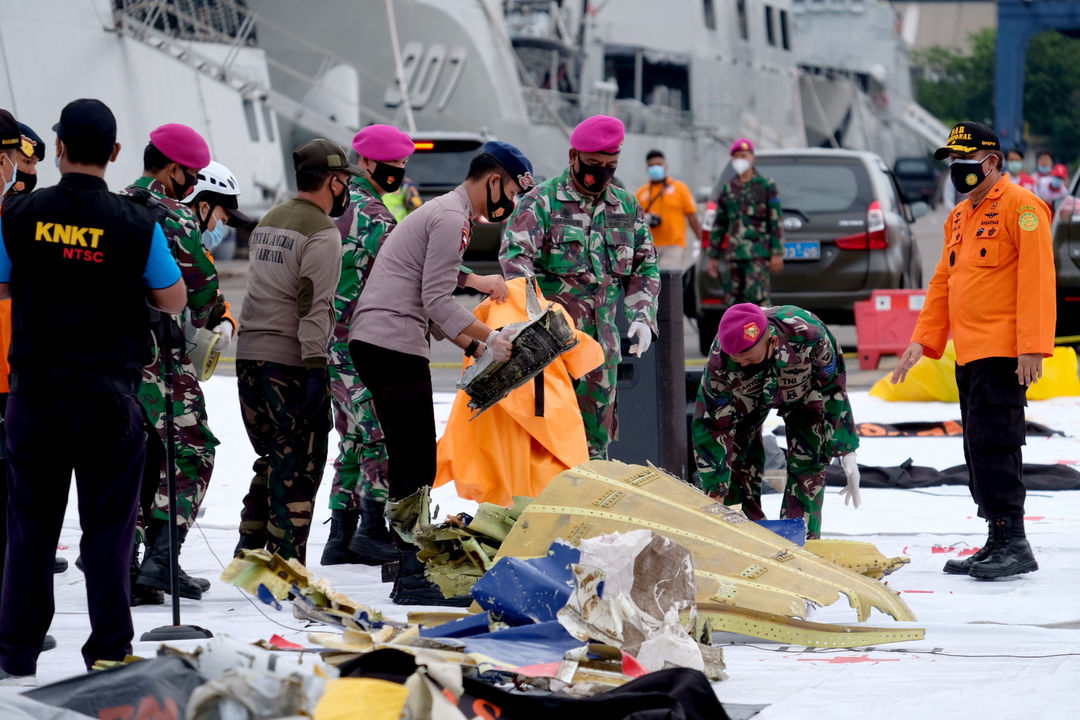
320	154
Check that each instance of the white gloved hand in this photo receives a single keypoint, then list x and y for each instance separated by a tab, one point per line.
499	343
641	333
850	493
225	330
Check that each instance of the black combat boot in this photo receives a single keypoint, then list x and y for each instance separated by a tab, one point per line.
961	566
342	528
154	571
59	565
1011	554
411	587
140	594
250	541
372	543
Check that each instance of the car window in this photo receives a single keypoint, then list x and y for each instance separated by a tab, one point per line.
815	186
911	167
441	163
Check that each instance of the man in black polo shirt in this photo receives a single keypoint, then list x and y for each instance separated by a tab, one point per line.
80	265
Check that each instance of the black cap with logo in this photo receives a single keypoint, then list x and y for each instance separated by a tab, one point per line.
967	137
10	136
87	124
319	154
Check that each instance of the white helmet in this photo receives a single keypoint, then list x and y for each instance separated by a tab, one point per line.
218	179
215	178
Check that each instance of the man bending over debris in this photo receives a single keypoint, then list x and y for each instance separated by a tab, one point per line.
407	299
783	358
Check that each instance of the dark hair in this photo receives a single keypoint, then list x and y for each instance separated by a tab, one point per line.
483	164
90	154
311	180
653	154
153	160
1016	150
1047	153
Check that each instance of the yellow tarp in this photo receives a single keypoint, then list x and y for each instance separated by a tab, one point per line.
935	380
372	699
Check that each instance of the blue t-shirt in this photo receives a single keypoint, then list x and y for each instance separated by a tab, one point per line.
161	269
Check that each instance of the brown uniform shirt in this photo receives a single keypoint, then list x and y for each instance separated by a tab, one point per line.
293	270
412	282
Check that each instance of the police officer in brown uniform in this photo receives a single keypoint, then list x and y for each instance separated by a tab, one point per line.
407	299
281	352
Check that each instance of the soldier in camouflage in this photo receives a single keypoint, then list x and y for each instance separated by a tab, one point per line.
781	358
747	240
171	163
587	243
359	490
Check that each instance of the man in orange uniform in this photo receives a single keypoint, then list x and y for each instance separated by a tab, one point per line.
668	207
994	289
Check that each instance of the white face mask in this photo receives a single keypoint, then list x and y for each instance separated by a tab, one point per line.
14	171
740	165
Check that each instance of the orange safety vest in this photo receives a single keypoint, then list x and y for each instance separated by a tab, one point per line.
509	450
994	287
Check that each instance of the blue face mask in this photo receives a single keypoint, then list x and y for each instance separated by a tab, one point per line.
657	173
1015	167
212	238
1045	169
1056	182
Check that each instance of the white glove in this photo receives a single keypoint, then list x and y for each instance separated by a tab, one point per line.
225	330
851	469
641	333
499	343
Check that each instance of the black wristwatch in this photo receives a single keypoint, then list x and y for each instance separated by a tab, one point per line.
470	351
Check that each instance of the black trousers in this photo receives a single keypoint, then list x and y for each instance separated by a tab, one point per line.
992	410
97	432
400	386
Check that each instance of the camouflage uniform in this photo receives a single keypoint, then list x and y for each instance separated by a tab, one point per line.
805	380
360	467
584	255
745	234
271	401
194	448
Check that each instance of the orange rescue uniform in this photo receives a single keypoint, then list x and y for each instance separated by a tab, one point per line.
510	450
994	288
672	201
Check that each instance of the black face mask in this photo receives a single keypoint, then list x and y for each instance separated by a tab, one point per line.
967	174
341	201
499	211
389	177
182	189
24	183
593	178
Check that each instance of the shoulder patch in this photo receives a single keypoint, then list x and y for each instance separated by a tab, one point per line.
1028	221
466	233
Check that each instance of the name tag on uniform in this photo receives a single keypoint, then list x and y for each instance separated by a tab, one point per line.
567	220
619	221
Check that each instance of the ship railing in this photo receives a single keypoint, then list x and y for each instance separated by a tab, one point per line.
572	108
174	26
